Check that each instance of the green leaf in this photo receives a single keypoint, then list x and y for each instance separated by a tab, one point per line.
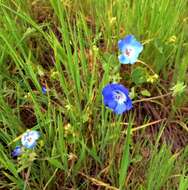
139	75
132	93
125	161
145	93
56	163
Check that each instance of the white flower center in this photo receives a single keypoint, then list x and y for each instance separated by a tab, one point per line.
129	52
119	97
29	139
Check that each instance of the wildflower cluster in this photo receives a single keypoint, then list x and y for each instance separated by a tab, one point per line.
28	140
116	96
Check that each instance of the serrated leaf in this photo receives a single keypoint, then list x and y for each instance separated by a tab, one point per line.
178	89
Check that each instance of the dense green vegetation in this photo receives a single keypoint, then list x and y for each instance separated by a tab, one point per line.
70	47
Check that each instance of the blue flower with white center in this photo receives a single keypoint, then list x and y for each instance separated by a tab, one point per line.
116	97
29	139
17	151
130	49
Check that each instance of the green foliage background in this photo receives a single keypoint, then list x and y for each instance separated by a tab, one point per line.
71	47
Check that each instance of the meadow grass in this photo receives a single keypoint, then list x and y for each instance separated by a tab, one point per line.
70	47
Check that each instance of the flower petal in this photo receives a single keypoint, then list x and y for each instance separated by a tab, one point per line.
108	96
123	59
112	104
44	90
133	59
107	90
35	134
120	87
138	46
30	145
125	41
128	104
17	151
120	108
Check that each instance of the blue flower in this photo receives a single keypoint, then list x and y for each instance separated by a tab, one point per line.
130	49
17	151
116	97
29	139
44	90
